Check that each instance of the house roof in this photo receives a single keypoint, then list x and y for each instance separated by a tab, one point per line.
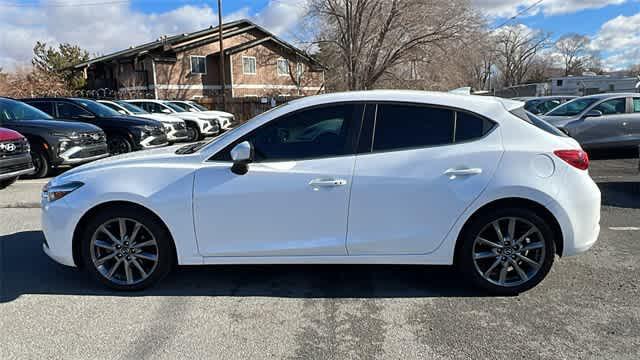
189	40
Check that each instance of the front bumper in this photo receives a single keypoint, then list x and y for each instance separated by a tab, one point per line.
209	127
15	166
152	142
177	135
83	154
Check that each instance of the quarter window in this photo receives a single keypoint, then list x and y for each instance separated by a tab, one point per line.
612	107
198	65
283	67
249	65
408	126
636	105
307	134
469	127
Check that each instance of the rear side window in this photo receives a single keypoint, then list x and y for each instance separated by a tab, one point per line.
408	126
537	122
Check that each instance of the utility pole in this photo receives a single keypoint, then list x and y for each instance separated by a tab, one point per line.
223	81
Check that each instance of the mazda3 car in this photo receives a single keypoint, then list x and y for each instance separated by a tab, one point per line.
377	177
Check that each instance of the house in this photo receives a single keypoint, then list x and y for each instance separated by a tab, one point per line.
592	84
186	66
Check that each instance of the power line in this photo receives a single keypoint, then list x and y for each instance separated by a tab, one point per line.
522	12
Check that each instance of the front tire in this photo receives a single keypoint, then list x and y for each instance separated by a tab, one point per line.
507	251
193	133
126	249
40	164
118	144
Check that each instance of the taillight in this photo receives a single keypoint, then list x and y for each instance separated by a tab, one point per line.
576	158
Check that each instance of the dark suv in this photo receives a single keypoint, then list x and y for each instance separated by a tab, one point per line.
14	157
53	143
124	133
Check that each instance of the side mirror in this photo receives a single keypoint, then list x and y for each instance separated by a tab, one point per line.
166	111
86	116
593	113
122	112
242	155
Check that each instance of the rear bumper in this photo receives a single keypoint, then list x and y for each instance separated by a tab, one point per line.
14	166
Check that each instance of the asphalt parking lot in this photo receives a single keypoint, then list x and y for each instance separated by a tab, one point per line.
588	307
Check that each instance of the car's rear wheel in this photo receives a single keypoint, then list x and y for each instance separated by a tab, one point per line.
507	251
126	249
118	144
7	182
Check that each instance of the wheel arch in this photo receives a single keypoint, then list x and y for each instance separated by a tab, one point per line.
42	143
76	241
540	209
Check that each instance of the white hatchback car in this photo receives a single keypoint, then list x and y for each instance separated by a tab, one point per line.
378	177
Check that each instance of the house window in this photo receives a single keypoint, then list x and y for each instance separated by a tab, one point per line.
300	69
559	82
198	65
248	65
283	67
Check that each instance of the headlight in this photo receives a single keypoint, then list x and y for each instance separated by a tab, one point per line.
73	135
53	193
63	146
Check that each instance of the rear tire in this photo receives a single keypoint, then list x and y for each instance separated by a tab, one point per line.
141	258
509	261
40	164
7	182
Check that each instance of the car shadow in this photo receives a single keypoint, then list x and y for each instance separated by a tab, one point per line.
623	194
25	269
612	154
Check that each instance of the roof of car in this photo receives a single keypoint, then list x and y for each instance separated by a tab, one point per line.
551	97
469	102
609	95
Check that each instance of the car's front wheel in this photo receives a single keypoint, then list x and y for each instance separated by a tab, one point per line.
507	251
126	249
193	133
118	144
7	182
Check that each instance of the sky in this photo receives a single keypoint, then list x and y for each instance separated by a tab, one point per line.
103	26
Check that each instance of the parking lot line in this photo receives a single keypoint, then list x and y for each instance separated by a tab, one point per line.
624	228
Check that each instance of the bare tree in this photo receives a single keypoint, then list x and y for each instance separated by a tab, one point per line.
575	54
516	49
363	40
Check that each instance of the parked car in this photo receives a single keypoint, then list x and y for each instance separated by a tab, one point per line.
603	121
198	126
124	133
15	159
175	128
53	143
447	179
544	104
226	119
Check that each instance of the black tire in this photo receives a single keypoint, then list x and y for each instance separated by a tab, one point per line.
118	144
41	164
165	251
193	133
473	271
7	182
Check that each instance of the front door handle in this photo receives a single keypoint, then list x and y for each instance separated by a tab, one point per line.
317	183
463	172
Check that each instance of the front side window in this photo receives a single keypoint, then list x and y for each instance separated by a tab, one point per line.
409	126
97	108
71	111
573	107
248	65
283	67
314	133
612	107
198	65
16	110
636	105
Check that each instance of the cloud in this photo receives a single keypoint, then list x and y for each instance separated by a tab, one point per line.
111	27
619	40
508	8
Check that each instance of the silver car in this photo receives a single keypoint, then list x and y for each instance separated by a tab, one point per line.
603	121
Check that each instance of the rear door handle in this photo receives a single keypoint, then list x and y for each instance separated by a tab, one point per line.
463	172
317	183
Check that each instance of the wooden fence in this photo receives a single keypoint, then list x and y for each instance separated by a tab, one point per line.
243	108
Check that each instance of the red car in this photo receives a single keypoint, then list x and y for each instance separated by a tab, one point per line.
15	159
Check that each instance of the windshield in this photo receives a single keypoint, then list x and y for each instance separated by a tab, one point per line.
131	108
97	109
572	108
198	106
174	107
181	106
17	110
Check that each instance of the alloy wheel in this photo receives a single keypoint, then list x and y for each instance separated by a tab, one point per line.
118	146
124	251
509	251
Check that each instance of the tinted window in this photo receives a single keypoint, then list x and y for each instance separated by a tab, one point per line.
47	107
612	107
407	126
469	127
71	111
573	107
16	110
636	105
97	108
537	122
315	133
